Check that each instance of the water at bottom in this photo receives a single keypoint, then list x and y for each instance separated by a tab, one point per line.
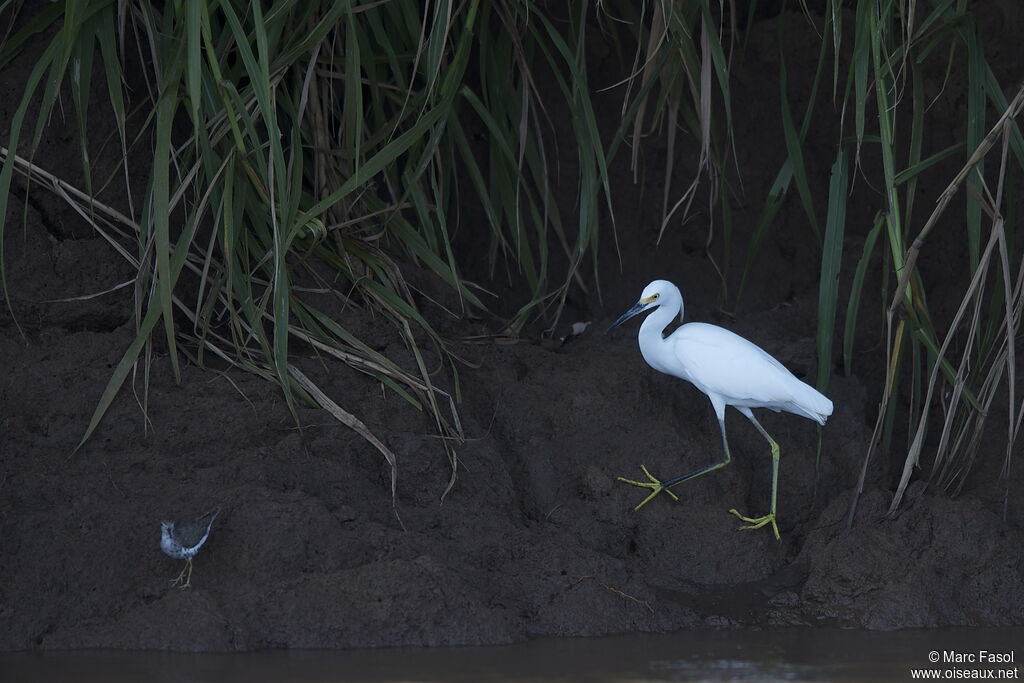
795	654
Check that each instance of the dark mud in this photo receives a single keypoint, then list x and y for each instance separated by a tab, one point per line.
535	538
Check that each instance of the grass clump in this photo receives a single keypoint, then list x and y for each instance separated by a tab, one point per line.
326	145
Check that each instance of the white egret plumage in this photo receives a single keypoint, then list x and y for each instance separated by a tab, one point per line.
730	370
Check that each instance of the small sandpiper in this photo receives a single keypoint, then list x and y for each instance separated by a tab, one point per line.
182	543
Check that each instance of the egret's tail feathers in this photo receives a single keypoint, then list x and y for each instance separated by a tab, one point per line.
810	403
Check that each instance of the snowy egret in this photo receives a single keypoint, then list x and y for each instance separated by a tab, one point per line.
730	370
182	543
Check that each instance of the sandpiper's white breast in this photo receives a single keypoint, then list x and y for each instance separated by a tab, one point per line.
167	543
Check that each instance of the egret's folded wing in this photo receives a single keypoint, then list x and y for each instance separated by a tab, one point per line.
724	363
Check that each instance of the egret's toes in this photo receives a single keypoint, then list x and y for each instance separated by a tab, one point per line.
648	499
758	522
653	483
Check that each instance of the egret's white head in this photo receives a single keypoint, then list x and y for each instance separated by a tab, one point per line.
658	293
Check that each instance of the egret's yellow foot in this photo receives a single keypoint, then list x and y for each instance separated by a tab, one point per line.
653	483
758	522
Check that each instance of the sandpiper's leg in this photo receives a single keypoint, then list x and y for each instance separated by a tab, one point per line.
188	581
657	486
758	522
181	576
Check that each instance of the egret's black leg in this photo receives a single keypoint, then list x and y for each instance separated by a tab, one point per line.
758	522
726	459
657	486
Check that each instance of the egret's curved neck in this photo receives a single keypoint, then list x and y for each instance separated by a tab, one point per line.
652	330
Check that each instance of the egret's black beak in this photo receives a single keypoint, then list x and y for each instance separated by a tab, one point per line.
638	307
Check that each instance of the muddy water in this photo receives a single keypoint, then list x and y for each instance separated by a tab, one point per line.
787	654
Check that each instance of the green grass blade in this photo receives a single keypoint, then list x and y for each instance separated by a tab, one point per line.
166	109
975	133
40	21
831	263
35	77
915	169
864	31
857	291
916	140
796	155
121	371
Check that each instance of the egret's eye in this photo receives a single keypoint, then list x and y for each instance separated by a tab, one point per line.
655	296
